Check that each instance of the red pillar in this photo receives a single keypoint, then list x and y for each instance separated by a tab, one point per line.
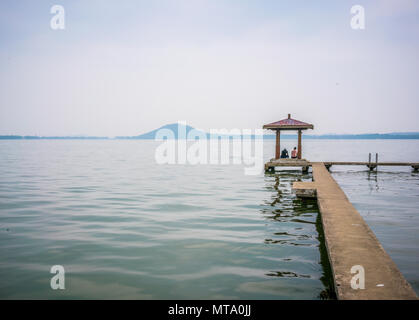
278	144
299	145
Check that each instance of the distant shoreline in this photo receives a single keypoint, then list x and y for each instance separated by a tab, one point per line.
384	136
182	131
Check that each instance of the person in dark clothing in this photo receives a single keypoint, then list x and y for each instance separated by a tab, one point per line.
284	153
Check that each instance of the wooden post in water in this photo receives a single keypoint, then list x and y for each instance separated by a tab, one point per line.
376	162
278	144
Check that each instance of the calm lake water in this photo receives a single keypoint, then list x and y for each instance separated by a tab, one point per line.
125	227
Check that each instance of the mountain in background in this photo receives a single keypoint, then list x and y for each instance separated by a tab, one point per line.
174	127
177	128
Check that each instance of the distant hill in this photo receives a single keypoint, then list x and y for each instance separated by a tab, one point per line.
176	128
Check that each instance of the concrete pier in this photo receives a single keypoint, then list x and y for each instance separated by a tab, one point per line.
304	189
270	166
304	164
350	242
372	165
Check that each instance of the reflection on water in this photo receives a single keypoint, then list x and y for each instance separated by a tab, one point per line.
125	227
299	224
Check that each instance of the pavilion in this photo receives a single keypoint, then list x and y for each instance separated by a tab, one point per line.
287	124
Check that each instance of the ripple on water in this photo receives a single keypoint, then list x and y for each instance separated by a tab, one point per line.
123	226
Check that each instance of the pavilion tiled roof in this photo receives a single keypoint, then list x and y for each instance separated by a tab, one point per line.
288	124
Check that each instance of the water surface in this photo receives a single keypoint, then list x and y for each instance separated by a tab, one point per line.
125	227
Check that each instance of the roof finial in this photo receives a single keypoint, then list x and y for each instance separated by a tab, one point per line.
289	115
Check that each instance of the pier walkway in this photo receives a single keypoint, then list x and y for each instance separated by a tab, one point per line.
304	164
372	165
350	242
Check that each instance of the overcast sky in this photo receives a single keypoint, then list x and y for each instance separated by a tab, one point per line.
126	67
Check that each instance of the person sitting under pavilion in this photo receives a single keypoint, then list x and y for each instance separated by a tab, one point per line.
284	153
294	153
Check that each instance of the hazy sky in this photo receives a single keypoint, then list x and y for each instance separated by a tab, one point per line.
126	67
